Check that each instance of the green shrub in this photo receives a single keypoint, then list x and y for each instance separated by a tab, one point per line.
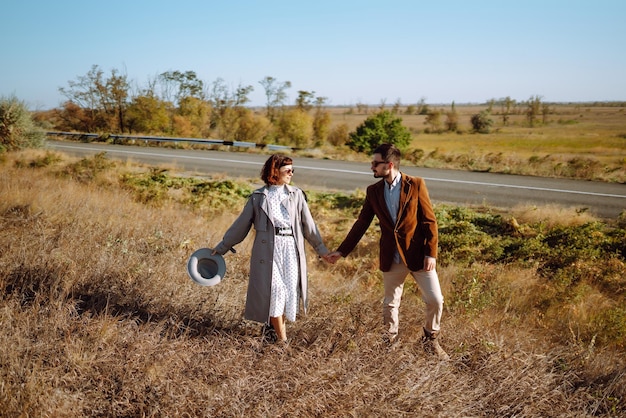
151	187
87	169
610	326
157	186
46	160
481	122
466	237
17	129
340	201
477	289
229	193
378	129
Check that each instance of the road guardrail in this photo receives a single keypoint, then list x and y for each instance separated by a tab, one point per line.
92	136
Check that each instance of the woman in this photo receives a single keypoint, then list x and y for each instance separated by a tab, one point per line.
282	221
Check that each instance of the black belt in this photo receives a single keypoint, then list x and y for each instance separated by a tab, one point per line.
286	232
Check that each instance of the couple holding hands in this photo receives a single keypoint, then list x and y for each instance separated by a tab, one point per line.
282	221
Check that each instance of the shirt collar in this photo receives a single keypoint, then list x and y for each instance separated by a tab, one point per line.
395	181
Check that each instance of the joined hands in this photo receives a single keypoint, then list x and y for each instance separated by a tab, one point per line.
332	257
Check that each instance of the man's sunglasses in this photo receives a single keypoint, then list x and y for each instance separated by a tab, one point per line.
375	163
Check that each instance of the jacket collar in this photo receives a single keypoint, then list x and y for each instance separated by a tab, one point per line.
405	192
265	205
265	189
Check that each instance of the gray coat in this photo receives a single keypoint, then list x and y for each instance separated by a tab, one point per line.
256	212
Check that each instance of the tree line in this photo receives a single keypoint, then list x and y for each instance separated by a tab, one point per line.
180	104
177	103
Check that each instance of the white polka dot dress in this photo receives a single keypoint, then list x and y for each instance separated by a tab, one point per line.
284	299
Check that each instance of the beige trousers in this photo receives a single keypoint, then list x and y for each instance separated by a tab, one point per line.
428	283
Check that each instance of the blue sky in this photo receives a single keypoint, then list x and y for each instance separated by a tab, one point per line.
347	51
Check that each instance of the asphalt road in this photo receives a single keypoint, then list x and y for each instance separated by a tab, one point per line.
606	200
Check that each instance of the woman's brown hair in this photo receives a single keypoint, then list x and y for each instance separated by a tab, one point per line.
270	173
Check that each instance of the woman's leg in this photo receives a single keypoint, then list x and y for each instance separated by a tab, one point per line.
278	322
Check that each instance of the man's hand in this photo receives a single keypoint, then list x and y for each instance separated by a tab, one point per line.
430	263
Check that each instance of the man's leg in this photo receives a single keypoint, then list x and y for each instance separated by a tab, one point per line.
428	283
393	281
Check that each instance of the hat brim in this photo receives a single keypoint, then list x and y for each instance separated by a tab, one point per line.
206	269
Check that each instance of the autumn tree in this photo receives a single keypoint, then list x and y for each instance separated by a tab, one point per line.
242	94
452	119
395	109
422	107
275	94
116	95
178	85
507	105
304	101
220	97
251	127
226	103
321	121
147	114
241	124
71	117
433	120
103	99
339	135
198	113
545	111
362	108
533	108
294	127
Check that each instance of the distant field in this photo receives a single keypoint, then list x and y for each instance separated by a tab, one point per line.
570	133
569	130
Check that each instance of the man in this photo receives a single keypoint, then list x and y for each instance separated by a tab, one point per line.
408	242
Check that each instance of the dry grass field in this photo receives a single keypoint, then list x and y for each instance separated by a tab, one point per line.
98	317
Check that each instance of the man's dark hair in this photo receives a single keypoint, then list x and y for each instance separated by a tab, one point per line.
389	153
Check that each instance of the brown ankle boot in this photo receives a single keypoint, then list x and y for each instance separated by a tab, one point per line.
431	346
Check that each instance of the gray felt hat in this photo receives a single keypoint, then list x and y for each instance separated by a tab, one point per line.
206	269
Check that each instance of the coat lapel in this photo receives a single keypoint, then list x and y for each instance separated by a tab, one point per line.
380	195
405	192
265	205
290	204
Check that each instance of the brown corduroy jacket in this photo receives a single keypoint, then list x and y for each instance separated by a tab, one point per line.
415	233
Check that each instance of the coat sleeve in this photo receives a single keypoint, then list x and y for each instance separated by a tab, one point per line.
309	228
427	221
239	229
359	227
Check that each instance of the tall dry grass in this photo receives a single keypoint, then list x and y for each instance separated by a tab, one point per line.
98	318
